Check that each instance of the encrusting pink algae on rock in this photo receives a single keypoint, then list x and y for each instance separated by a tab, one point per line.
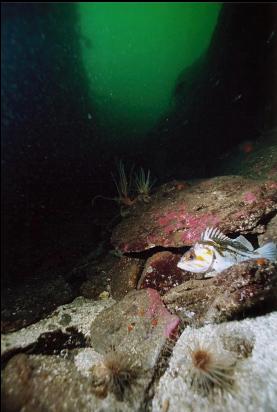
177	218
136	322
157	309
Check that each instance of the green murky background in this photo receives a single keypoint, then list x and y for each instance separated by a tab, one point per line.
133	54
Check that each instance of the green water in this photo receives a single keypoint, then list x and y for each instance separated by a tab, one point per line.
133	54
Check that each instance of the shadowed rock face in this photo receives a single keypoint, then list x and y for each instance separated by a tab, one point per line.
118	275
270	234
33	301
161	272
227	295
224	98
177	217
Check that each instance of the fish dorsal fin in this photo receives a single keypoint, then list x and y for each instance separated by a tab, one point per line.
215	234
243	241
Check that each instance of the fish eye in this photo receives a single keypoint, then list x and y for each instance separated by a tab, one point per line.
190	255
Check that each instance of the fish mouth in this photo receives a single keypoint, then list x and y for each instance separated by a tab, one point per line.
190	268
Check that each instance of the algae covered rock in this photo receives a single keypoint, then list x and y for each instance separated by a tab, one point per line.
238	289
177	218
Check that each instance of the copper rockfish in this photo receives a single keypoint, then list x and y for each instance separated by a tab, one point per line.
215	252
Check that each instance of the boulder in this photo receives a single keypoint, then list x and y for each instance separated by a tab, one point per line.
116	275
238	289
177	218
139	323
125	276
250	343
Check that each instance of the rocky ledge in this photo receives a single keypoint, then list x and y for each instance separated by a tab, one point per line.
177	213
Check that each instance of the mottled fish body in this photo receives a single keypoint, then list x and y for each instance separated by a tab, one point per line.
215	252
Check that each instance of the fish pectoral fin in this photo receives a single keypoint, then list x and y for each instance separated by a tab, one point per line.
211	274
243	241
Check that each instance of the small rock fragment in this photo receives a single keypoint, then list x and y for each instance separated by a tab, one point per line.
124	276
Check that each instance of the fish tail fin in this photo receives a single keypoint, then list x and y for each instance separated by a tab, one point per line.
268	251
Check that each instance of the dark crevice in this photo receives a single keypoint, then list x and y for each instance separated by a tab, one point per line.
160	368
11	353
145	254
262	308
267	218
50	343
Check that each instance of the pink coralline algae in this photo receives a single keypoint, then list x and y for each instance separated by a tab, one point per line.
158	310
180	220
171	221
173	227
171	217
249	197
234	204
197	225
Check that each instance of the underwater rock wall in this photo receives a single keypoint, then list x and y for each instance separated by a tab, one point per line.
225	97
110	349
45	111
113	349
45	105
